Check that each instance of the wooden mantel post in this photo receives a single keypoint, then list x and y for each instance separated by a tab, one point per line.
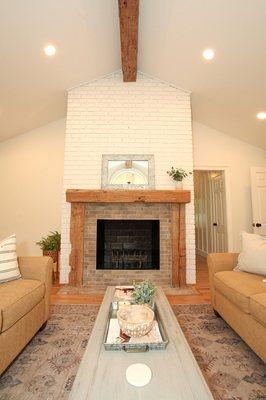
178	245
175	241
76	257
182	245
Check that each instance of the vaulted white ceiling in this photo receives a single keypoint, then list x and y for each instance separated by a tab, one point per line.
227	92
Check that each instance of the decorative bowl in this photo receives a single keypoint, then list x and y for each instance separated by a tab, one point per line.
135	320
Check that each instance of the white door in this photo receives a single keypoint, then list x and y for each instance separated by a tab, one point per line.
210	212
218	211
258	192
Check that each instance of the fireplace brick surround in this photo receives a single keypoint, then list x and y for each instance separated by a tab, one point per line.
108	116
87	206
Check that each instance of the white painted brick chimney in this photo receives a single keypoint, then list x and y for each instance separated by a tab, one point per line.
108	116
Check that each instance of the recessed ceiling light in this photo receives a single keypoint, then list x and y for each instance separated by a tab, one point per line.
208	54
50	50
261	115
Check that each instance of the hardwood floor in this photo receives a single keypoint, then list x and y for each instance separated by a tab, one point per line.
202	288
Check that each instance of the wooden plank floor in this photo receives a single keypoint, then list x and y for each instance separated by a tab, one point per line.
202	287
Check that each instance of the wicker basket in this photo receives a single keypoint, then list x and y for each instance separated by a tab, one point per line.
135	320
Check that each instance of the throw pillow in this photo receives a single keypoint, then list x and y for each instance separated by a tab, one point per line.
9	269
253	254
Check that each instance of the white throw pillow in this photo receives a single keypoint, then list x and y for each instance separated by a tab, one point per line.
9	269
253	255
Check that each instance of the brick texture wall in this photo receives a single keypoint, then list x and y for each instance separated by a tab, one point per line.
102	278
108	116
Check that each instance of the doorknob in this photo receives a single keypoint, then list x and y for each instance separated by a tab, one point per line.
215	224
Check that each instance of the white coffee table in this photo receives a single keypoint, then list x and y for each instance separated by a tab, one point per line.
175	372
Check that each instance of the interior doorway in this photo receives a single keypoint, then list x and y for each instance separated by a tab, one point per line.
258	191
210	212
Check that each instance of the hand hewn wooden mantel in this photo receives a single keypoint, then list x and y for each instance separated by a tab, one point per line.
127	196
78	199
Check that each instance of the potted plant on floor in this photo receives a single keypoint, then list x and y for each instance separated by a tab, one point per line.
177	175
50	245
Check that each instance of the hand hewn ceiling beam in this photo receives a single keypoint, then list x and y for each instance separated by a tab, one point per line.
129	16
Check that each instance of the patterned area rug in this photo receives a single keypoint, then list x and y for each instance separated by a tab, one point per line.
46	369
231	369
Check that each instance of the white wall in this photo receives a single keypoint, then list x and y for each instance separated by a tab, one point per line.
109	116
31	174
214	149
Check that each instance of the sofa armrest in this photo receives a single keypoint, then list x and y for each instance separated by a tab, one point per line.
220	262
41	269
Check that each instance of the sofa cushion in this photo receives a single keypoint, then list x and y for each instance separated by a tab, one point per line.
258	307
253	254
17	298
239	286
9	269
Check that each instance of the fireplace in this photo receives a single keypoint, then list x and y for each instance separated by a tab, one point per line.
128	244
156	215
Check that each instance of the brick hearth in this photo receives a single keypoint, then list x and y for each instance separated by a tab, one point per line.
160	212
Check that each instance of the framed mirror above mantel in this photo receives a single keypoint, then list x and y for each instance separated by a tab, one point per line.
128	171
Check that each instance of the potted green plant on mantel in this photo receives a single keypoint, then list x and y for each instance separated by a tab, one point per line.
50	245
177	175
143	293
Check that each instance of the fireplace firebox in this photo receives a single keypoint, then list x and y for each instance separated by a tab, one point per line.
128	244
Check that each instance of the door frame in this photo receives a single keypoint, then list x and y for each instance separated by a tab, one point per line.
227	185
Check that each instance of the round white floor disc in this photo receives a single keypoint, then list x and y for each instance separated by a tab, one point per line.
138	374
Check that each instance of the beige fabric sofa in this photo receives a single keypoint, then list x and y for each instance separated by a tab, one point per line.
24	306
240	298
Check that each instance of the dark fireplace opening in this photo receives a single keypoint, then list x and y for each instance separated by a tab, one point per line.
128	244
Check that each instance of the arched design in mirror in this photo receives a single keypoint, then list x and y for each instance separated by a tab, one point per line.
128	171
125	177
